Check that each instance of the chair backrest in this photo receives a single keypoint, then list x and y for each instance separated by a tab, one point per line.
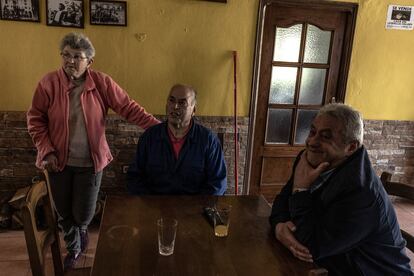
401	190
52	204
39	240
397	188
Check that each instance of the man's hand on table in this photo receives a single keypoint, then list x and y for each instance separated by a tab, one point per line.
284	233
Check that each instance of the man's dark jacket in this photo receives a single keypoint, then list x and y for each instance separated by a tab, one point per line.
348	224
199	169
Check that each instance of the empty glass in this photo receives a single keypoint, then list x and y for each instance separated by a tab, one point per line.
167	230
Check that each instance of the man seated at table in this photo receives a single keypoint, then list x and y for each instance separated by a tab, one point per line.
334	210
179	156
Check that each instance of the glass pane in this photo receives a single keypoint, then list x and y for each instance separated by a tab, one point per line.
282	86
312	86
305	118
317	45
278	126
287	43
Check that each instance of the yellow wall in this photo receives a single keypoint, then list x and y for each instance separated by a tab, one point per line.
381	77
190	41
165	42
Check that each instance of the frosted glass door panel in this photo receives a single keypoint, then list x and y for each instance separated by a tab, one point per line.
312	86
317	45
278	125
282	86
287	43
305	118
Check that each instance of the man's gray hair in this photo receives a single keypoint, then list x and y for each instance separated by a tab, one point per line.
350	118
80	42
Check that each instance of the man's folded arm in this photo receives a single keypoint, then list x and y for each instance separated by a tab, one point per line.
215	169
280	207
337	228
136	175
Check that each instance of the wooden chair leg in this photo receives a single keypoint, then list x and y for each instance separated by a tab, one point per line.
57	258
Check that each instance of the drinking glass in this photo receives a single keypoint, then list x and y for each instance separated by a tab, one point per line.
167	230
222	219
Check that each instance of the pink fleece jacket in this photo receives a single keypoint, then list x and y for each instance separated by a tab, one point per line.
48	116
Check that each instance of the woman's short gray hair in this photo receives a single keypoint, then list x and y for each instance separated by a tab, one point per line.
350	118
78	41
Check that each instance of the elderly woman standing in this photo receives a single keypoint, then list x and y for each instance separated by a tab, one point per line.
67	124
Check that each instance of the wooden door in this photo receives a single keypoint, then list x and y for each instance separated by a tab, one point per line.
302	63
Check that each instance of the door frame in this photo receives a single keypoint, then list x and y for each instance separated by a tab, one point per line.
350	9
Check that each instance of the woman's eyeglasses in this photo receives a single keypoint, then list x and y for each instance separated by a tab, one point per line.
68	57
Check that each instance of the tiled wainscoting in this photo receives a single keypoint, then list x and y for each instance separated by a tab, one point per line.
390	144
17	153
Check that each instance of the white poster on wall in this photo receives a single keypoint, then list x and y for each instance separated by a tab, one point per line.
400	17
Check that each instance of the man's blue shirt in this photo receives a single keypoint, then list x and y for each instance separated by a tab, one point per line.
199	169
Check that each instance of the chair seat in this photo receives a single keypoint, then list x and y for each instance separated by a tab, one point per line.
318	272
84	271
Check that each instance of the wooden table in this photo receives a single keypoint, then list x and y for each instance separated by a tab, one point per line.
127	243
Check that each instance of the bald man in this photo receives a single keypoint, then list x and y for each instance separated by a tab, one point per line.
179	156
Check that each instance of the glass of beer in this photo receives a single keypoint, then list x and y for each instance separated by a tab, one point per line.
222	219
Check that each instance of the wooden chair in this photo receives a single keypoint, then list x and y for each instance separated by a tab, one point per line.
401	190
39	240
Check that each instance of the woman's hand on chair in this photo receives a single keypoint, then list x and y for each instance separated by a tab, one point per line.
50	163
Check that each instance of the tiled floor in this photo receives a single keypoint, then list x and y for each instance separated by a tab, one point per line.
14	260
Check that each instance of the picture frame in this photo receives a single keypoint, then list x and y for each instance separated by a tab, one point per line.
25	10
110	13
65	13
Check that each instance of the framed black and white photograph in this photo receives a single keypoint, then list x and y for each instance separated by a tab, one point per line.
65	13
108	13
20	10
